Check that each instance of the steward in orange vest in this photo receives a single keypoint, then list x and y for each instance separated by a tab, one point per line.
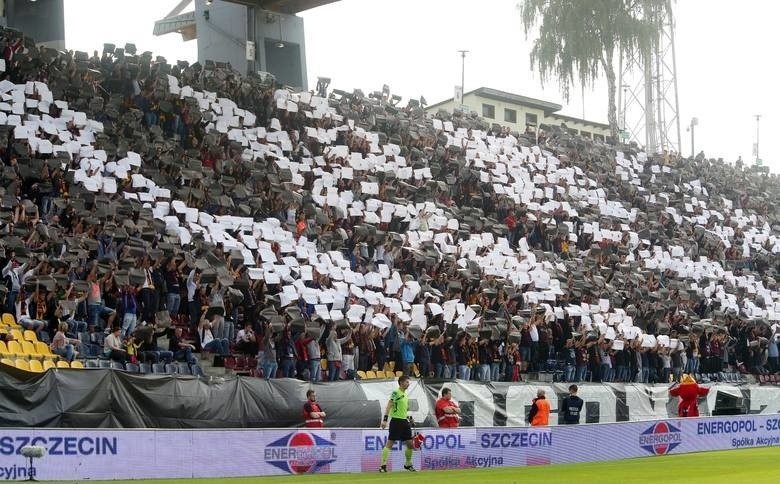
540	410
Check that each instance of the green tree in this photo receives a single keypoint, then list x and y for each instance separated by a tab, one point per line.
579	39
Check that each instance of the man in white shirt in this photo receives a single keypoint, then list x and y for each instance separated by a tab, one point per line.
23	317
112	346
534	333
13	270
208	341
193	305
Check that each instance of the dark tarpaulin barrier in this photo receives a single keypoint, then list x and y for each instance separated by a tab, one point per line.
104	398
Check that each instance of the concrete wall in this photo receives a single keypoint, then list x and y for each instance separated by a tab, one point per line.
588	128
288	63
475	102
222	37
43	20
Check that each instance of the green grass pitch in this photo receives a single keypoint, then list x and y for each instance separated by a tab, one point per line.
732	466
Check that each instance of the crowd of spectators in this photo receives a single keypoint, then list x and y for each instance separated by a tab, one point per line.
234	216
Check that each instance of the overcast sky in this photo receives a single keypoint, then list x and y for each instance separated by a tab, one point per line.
726	64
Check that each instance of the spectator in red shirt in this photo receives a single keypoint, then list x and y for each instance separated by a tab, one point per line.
301	355
312	412
447	410
511	223
300	226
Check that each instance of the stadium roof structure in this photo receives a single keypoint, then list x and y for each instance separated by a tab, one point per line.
184	23
289	7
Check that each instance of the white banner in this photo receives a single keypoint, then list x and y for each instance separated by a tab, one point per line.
93	454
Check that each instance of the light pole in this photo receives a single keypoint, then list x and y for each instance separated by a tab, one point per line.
692	129
463	69
758	119
622	107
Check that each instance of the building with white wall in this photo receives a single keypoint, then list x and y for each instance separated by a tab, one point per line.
521	113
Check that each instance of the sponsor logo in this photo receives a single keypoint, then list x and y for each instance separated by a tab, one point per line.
17	472
660	438
525	438
726	427
300	453
375	443
60	445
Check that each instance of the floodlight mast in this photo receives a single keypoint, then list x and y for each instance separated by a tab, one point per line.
648	103
758	156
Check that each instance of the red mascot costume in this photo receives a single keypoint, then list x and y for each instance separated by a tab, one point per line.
689	392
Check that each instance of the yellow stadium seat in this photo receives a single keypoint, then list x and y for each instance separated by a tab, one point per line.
22	364
29	349
43	349
392	365
76	364
48	364
14	348
4	349
30	336
17	335
36	366
60	364
361	374
9	320
7	361
370	375
399	374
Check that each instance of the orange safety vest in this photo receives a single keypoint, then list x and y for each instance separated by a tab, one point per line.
542	416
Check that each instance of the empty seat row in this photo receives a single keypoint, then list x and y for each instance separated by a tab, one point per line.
769	379
370	375
146	368
37	366
240	363
722	377
19	335
24	348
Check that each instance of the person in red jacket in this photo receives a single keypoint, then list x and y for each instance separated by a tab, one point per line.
312	412
689	392
447	410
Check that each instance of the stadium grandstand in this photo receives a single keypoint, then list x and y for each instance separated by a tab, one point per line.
184	219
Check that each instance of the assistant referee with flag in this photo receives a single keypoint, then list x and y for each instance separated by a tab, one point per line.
400	425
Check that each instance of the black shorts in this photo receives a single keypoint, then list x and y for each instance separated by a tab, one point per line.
400	429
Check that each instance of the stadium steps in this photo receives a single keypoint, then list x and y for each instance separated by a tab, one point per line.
206	361
207	364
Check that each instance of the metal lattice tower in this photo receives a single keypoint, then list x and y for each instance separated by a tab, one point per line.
648	105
